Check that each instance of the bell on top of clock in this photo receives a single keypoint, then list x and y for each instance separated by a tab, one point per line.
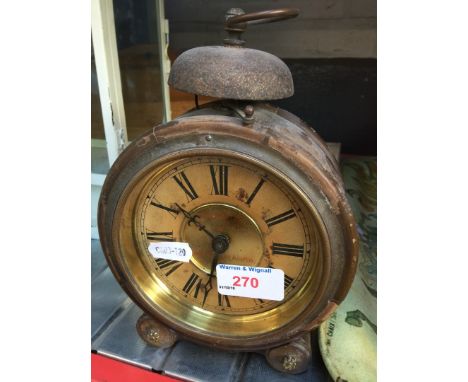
232	71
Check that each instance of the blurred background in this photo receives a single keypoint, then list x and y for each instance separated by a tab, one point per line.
330	49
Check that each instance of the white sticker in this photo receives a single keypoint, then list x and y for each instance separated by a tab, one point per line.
254	282
171	250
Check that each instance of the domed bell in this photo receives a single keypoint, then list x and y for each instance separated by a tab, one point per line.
232	71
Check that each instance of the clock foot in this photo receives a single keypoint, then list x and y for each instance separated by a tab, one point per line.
292	358
155	333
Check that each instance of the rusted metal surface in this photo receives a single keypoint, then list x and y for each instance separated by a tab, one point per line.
231	71
237	21
154	333
292	148
262	17
293	358
246	113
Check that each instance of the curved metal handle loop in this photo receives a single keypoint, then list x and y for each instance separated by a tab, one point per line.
263	16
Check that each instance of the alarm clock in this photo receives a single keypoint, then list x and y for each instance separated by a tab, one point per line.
229	226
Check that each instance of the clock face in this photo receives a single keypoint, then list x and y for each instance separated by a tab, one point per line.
259	219
263	223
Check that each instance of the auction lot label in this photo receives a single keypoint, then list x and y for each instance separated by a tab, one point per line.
171	251
253	282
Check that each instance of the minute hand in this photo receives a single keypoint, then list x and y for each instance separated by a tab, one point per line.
193	219
208	285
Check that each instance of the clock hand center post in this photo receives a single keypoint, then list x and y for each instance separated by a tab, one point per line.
219	244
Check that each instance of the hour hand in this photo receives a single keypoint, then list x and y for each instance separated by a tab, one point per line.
208	287
193	219
186	213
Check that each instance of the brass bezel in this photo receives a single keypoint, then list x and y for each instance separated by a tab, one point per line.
158	299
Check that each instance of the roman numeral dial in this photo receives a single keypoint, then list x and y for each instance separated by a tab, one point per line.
288	249
159	236
219	178
280	218
223	301
168	266
193	284
198	200
183	182
255	191
287	281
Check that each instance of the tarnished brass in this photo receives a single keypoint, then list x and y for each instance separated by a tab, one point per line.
251	241
242	231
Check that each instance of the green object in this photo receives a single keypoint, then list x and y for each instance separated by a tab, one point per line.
348	339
